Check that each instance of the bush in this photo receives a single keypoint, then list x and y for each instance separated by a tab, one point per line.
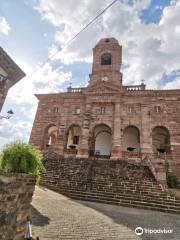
171	180
20	157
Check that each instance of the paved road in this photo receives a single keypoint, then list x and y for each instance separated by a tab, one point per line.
57	217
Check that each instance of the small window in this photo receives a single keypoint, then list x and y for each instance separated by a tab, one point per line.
106	59
107	40
102	110
55	109
130	109
2	78
77	110
157	109
76	140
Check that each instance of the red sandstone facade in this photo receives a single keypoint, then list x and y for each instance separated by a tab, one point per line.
10	74
108	119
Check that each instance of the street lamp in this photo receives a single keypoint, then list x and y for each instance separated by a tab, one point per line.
9	115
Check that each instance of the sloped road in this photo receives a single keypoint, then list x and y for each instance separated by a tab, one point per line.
56	217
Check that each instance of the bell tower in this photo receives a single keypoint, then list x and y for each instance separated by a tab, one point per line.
107	58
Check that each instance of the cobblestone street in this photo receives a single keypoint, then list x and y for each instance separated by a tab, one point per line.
57	217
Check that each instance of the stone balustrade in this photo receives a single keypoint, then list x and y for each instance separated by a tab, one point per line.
74	90
135	87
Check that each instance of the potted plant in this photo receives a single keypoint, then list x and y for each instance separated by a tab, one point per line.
20	169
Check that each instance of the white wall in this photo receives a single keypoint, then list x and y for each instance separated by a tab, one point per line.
3	72
103	143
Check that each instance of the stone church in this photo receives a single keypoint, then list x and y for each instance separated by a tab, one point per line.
109	120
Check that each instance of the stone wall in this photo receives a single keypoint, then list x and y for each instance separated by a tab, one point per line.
16	192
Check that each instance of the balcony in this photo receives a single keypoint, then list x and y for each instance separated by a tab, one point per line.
135	87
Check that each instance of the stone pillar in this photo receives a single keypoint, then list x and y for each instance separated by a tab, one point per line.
61	140
83	149
116	152
174	162
145	131
161	172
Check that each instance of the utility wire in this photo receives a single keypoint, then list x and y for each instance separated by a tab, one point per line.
75	36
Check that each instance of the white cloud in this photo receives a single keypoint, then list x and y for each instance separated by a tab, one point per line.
14	131
173	84
44	80
4	26
149	50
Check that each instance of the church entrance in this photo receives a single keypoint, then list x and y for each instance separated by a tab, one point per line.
160	140
73	137
50	137
102	140
131	139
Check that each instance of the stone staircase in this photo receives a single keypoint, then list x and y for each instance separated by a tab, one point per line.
107	181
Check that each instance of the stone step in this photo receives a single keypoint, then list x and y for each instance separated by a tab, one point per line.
130	185
125	202
104	187
131	197
73	175
101	182
106	181
156	197
112	190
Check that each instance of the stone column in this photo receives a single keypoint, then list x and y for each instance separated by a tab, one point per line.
161	172
173	161
61	140
145	131
116	152
83	149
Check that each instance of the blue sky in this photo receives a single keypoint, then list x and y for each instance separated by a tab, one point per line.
32	30
153	13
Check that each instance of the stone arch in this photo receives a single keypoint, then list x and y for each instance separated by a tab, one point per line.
50	135
160	139
73	136
131	139
106	59
102	140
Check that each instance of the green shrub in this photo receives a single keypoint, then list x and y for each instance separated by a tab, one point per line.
20	157
171	180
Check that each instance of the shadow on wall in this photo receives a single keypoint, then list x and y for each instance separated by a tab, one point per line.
135	217
37	218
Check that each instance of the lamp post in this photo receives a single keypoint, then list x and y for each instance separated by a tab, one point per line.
9	115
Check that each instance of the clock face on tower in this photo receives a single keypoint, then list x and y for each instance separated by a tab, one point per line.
104	78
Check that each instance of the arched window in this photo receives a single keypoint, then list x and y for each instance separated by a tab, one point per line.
106	59
50	136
